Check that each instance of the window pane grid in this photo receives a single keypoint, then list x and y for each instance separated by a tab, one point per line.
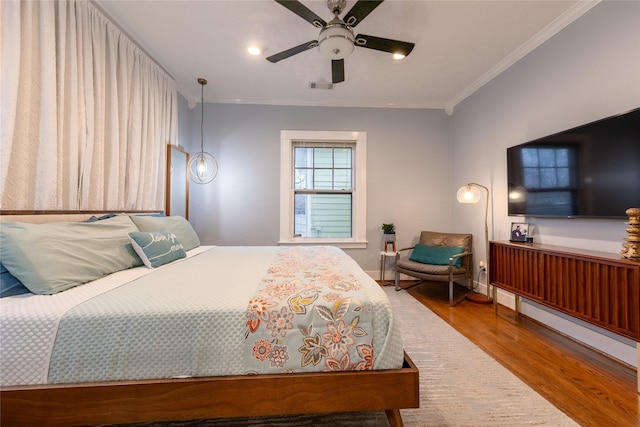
323	168
323	187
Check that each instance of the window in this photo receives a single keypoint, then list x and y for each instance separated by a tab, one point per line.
323	188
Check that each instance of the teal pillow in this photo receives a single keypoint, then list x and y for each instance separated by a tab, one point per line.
175	224
111	215
50	258
156	248
436	255
9	285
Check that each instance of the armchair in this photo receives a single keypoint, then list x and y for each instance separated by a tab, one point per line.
443	257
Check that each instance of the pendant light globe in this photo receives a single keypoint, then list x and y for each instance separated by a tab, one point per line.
203	167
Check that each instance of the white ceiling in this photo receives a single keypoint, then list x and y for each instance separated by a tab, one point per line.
460	45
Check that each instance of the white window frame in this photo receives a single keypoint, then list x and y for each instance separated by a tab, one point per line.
359	206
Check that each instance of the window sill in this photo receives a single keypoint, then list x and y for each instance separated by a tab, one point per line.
342	244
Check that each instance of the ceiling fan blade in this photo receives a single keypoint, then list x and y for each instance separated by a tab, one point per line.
337	70
385	45
293	51
360	10
303	12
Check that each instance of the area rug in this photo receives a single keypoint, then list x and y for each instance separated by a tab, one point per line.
460	385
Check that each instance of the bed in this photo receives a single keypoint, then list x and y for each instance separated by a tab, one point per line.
87	387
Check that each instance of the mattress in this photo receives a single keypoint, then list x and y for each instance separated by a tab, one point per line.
184	319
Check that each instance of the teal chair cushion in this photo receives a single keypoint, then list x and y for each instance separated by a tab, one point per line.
436	255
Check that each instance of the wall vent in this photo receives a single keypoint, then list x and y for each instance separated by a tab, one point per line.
320	85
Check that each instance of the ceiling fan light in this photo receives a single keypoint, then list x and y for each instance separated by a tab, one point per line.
398	56
254	50
335	41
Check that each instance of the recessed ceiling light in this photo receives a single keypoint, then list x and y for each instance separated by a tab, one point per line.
398	56
254	50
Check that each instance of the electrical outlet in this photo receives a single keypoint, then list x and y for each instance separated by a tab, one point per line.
481	265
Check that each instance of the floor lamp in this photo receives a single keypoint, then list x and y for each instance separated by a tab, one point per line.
470	193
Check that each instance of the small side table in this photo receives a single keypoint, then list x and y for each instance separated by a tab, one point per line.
383	261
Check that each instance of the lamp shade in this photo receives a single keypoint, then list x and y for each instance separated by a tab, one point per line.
468	194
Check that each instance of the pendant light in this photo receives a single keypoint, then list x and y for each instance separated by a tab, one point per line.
203	167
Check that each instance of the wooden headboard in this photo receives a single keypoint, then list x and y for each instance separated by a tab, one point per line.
42	217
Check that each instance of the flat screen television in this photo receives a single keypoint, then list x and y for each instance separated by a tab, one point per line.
590	171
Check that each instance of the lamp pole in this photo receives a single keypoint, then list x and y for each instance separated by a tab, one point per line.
486	233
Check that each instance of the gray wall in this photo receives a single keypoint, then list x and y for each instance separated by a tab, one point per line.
408	157
588	71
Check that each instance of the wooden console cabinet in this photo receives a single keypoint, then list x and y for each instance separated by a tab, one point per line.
599	288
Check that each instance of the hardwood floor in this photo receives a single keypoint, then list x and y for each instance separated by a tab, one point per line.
589	387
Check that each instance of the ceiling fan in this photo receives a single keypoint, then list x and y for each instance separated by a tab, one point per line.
336	40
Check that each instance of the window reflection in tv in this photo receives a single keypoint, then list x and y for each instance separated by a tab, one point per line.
588	171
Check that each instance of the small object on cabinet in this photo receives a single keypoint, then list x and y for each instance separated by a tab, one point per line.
519	232
631	244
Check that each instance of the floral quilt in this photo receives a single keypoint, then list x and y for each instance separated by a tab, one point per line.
308	314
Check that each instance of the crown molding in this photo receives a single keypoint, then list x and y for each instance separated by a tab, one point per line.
573	13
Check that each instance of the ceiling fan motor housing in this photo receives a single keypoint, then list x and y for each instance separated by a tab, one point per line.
336	40
336	5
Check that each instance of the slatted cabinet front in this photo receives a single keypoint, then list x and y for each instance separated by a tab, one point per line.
598	288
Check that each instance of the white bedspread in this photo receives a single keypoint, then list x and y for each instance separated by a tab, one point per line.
29	323
208	343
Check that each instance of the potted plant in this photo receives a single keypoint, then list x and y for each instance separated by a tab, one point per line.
389	231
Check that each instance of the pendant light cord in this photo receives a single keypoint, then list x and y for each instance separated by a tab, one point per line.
202	83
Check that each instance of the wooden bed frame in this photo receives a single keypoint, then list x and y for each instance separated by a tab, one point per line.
213	397
209	397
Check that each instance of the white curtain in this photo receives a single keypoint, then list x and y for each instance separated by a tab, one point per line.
85	114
